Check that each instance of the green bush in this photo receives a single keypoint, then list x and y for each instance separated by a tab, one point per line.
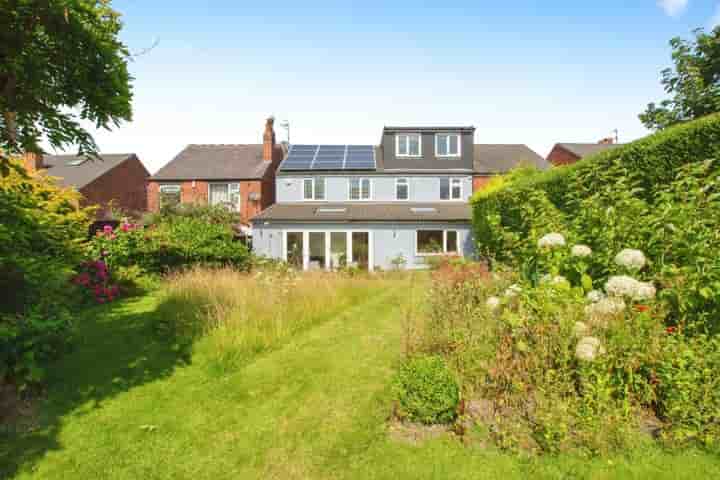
199	211
427	391
177	242
41	232
689	388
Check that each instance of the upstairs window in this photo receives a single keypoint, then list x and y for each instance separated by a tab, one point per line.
402	189
314	189
226	195
450	188
447	145
359	189
408	145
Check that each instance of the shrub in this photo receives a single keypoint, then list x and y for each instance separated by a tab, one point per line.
179	242
41	230
427	391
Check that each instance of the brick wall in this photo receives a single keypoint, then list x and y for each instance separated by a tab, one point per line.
560	156
124	185
200	194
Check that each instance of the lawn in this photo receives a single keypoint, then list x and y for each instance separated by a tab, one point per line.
129	403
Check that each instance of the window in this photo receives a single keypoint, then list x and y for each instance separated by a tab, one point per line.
359	189
226	195
450	189
436	242
314	189
402	189
408	145
169	195
447	145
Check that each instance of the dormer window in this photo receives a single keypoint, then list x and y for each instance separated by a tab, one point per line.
447	145
408	145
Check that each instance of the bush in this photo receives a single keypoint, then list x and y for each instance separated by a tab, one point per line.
427	391
178	242
41	232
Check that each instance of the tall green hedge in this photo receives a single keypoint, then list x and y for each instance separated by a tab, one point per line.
646	164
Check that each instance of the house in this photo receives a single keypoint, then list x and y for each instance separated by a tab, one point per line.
395	204
117	179
569	153
240	177
495	159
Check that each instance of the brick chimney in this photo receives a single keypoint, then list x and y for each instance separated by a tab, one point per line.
33	161
269	140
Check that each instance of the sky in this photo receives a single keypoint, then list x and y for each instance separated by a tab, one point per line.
527	72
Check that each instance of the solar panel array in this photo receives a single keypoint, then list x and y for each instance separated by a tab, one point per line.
330	157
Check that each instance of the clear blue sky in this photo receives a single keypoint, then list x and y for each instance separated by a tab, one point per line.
520	71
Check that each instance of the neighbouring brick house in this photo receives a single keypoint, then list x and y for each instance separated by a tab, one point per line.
117	178
569	153
494	159
241	177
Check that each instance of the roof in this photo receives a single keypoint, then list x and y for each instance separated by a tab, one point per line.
500	158
216	162
584	149
78	171
367	211
466	128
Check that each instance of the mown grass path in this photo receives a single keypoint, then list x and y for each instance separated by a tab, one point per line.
125	405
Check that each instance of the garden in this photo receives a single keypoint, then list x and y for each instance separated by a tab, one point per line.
593	328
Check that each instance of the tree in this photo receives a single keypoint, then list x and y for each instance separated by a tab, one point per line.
60	63
694	83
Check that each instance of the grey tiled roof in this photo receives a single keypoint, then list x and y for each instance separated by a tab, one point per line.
367	211
585	149
75	171
216	162
499	158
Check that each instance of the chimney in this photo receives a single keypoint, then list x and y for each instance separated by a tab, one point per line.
33	161
269	140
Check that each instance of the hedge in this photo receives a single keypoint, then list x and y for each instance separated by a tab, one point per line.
646	163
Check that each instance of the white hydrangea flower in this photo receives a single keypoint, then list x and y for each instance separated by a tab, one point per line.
551	240
580	329
600	312
513	291
492	303
621	286
595	296
580	251
558	280
644	291
630	258
588	349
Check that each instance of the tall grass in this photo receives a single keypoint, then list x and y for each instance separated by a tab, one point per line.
244	314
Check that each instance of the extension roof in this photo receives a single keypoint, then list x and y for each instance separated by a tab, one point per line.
366	212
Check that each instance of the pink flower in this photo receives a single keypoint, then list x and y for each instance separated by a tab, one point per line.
100	265
107	229
100	300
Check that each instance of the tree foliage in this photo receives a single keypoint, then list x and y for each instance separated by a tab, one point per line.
61	63
694	82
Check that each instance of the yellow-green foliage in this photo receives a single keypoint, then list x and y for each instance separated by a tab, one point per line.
41	230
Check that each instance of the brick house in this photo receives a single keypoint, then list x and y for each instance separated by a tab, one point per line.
116	178
495	159
241	177
569	153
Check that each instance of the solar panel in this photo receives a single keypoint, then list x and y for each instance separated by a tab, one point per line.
330	157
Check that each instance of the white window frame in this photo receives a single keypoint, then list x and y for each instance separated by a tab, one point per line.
407	185
228	185
348	244
445	249
313	180
450	198
447	136
397	145
370	189
176	187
